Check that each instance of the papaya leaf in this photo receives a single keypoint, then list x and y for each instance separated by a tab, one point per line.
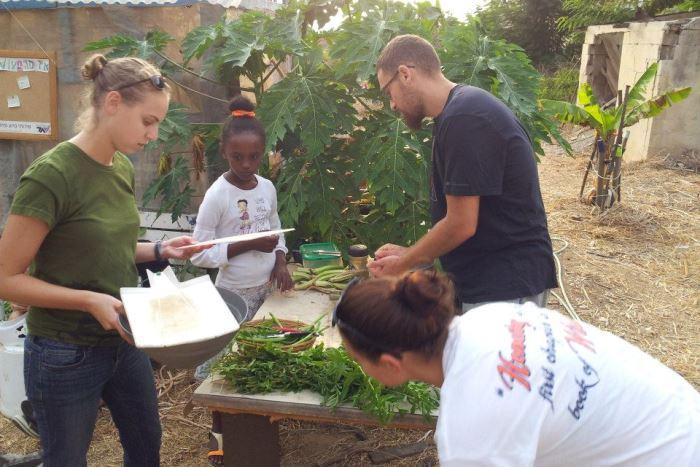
121	45
175	129
199	40
356	47
126	46
516	81
242	39
172	189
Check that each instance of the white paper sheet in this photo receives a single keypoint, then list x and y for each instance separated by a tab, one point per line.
172	313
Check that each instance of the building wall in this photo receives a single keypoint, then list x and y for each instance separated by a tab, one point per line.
66	31
676	45
678	129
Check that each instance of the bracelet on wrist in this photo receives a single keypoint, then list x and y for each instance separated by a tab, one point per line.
157	250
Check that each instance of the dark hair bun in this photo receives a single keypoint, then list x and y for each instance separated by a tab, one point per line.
424	292
93	66
241	102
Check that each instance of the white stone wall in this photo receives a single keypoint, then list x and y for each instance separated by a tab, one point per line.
678	129
676	45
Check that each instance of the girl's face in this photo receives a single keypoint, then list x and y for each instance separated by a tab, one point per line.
244	152
132	126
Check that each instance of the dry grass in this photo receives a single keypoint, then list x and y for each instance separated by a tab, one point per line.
633	271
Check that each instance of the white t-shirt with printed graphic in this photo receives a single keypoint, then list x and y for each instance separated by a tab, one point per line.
228	210
526	386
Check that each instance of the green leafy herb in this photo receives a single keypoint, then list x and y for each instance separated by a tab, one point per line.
329	372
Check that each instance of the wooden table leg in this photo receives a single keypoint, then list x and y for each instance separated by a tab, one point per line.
250	440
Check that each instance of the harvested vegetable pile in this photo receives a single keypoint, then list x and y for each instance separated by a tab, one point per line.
327	279
286	334
328	371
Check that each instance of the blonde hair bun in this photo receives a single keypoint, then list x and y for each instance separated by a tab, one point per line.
93	66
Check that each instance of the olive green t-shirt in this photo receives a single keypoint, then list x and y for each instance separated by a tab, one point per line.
93	220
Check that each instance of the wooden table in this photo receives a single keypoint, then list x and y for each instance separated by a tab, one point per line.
250	421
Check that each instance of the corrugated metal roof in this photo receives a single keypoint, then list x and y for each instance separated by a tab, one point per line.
249	4
49	3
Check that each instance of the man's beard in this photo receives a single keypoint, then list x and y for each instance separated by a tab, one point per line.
414	117
414	122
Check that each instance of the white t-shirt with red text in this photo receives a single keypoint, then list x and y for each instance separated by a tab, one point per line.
525	386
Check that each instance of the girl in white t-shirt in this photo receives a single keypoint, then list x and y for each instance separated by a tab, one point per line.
241	202
520	385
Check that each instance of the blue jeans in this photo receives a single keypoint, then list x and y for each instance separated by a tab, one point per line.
65	383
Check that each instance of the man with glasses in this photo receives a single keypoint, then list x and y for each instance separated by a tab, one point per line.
489	224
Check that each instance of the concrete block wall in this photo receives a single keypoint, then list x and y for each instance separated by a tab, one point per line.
676	45
678	129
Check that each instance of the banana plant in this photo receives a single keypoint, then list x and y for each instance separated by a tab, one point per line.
609	125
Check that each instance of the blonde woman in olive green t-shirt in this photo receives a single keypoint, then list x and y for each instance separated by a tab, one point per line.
74	222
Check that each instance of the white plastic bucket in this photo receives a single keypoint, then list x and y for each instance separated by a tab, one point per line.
12	366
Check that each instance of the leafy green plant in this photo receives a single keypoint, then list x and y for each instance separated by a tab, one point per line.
328	371
561	85
6	310
339	140
582	13
532	24
682	7
609	124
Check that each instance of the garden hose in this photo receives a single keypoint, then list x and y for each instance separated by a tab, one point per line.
564	298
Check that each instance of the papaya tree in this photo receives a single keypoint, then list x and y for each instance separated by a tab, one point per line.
351	171
609	125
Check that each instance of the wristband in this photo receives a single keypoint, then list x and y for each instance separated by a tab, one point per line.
156	250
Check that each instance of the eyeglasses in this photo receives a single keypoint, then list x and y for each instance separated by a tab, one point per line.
383	89
157	81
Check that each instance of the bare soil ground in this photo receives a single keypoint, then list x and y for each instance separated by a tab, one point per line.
634	271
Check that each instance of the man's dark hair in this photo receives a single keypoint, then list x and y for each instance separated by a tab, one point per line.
409	49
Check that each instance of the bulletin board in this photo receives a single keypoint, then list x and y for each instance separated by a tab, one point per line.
28	101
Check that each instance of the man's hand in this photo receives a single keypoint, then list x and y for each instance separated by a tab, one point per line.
387	266
390	249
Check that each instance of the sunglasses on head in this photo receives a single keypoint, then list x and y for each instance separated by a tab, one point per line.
157	81
334	318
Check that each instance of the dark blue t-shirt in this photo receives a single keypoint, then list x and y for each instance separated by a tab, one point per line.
481	149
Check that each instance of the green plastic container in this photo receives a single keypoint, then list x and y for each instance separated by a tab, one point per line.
312	255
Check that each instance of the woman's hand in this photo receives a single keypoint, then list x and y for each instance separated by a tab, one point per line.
172	248
106	310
